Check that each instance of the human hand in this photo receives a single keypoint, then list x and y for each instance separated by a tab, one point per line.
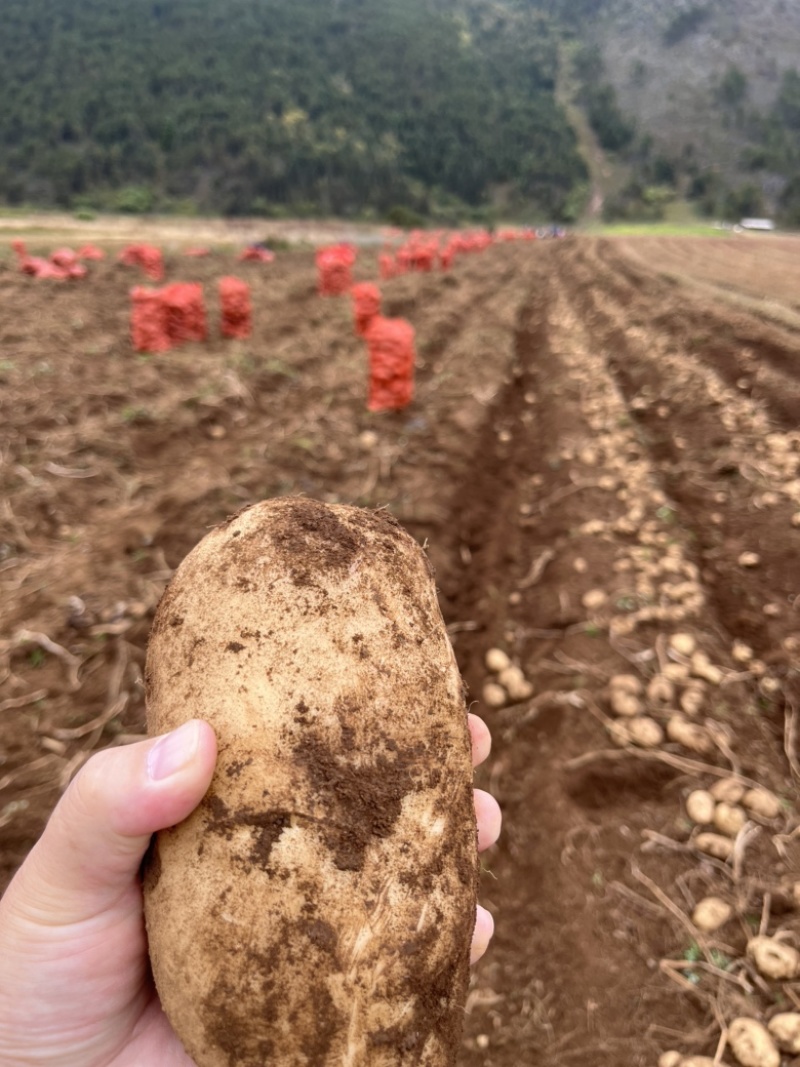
75	984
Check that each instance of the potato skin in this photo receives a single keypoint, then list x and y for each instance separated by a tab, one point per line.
317	907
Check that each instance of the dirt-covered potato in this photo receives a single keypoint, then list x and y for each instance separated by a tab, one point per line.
317	907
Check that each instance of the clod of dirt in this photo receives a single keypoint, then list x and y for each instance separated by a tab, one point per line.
727	790
515	683
721	848
645	732
496	660
729	819
689	734
773	958
761	802
749	559
751	1044
785	1029
711	913
700	807
683	644
494	696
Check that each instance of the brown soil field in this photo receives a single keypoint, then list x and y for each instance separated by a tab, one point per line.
603	460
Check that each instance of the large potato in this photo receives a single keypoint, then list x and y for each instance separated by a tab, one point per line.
317	908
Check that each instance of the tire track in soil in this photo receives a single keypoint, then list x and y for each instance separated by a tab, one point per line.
701	462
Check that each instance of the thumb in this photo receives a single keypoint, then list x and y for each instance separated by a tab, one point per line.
92	847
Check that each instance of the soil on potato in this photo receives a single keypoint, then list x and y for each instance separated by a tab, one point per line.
584	423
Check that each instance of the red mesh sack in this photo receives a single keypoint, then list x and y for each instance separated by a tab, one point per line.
64	257
256	254
185	312
237	308
148	257
366	305
91	252
387	265
335	269
391	364
149	331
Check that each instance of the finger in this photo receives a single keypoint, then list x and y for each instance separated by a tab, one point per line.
93	845
484	928
481	739
489	817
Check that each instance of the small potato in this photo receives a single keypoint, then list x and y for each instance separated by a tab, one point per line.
728	790
660	690
676	672
692	699
625	704
762	802
751	1044
594	600
774	959
702	667
729	819
494	696
785	1028
645	732
700	807
515	683
670	1059
317	906
688	734
711	913
683	644
625	683
721	848
497	660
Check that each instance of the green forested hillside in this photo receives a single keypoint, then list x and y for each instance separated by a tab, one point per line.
247	106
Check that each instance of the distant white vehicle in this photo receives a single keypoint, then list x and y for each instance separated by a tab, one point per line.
757	224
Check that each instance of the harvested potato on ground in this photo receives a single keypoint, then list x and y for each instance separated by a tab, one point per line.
700	807
515	683
497	660
751	1044
721	848
318	906
670	1059
774	959
645	732
729	818
761	802
785	1028
729	790
711	913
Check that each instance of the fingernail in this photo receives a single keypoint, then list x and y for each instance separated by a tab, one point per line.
171	753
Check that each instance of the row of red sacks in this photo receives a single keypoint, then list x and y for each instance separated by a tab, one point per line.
66	263
63	264
175	314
